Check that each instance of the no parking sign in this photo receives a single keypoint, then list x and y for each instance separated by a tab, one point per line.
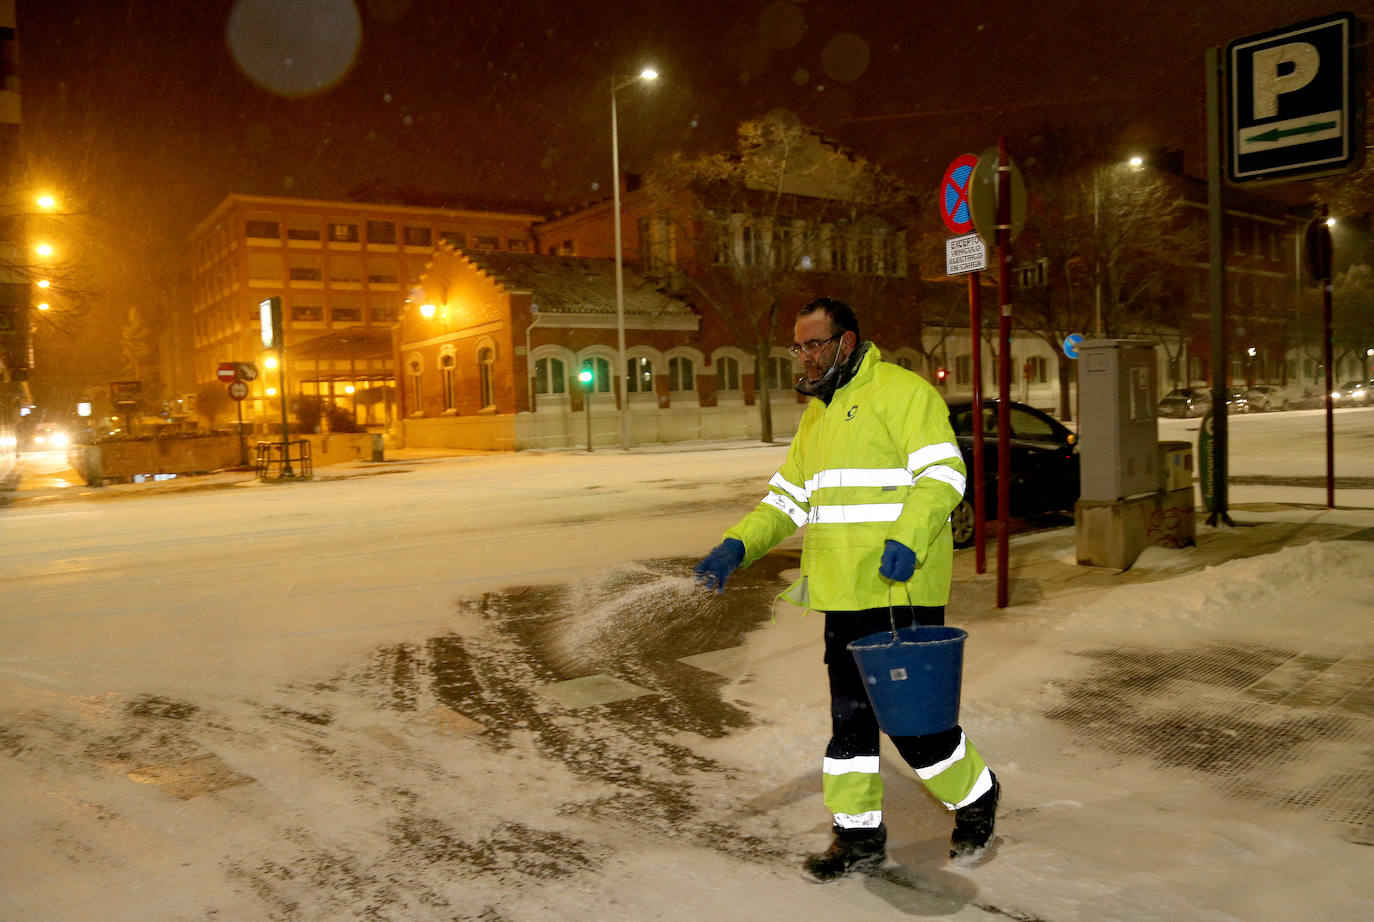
955	209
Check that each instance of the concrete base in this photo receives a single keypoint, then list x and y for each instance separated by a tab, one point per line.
1114	533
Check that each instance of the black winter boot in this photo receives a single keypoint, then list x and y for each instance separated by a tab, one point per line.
852	850
973	828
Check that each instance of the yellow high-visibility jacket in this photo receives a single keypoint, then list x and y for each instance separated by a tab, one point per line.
880	461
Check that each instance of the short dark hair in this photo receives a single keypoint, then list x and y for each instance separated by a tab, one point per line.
841	314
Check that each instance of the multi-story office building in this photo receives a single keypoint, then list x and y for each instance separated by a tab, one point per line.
16	342
343	271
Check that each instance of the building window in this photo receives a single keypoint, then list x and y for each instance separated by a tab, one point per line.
345	267
262	229
784	237
863	254
601	374
453	239
486	362
383	314
904	362
780	375
727	374
343	233
303	227
383	271
548	377
656	243
839	251
681	376
416	403
481	242
418	236
1037	369
722	238
304	269
307	312
381	231
963	369
517	246
754	245
639	376
346	315
446	373
892	257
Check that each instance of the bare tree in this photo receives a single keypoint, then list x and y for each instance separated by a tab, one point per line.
758	224
1353	314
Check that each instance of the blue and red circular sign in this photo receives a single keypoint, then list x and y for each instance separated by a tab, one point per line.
955	210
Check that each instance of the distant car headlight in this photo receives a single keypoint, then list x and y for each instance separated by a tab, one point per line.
1335	395
59	439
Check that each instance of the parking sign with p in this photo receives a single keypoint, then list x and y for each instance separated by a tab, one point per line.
1295	101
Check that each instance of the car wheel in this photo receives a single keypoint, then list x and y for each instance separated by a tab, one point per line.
961	523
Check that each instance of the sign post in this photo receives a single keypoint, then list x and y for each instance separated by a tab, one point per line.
269	313
239	390
963	254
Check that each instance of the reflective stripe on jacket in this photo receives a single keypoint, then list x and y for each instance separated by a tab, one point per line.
880	461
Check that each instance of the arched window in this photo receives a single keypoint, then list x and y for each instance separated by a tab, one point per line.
601	374
727	374
904	362
681	374
780	374
639	376
548	376
486	361
447	367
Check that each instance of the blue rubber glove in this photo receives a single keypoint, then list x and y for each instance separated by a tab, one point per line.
715	568
899	561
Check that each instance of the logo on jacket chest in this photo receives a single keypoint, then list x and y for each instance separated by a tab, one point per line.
852	411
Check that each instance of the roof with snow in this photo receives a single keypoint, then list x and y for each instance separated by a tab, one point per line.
574	285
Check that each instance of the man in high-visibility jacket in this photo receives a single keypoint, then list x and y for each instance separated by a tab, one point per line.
874	472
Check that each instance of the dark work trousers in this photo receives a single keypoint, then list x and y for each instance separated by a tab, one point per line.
854	726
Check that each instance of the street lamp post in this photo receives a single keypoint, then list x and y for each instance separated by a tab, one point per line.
622	392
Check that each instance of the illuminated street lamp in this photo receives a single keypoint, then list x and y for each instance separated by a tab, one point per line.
619	83
46	201
43	249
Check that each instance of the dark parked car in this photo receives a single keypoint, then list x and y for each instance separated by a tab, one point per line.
1184	402
1044	463
1195	401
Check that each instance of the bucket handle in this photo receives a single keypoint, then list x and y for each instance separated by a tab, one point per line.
891	614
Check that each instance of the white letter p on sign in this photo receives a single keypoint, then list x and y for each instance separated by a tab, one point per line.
1304	60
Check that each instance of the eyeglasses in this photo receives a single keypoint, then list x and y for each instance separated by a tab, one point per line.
811	346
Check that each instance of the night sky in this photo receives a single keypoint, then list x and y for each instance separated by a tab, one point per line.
151	111
143	104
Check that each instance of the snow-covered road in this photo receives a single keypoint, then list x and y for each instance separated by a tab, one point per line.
483	688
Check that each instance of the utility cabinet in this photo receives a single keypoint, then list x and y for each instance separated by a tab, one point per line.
1118	432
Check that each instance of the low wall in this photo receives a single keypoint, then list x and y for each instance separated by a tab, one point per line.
558	427
121	461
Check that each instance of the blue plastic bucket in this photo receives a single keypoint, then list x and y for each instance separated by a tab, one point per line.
913	681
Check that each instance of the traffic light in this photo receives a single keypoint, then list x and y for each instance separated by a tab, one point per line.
940	375
586	376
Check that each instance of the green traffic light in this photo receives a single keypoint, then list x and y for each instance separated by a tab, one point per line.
584	376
